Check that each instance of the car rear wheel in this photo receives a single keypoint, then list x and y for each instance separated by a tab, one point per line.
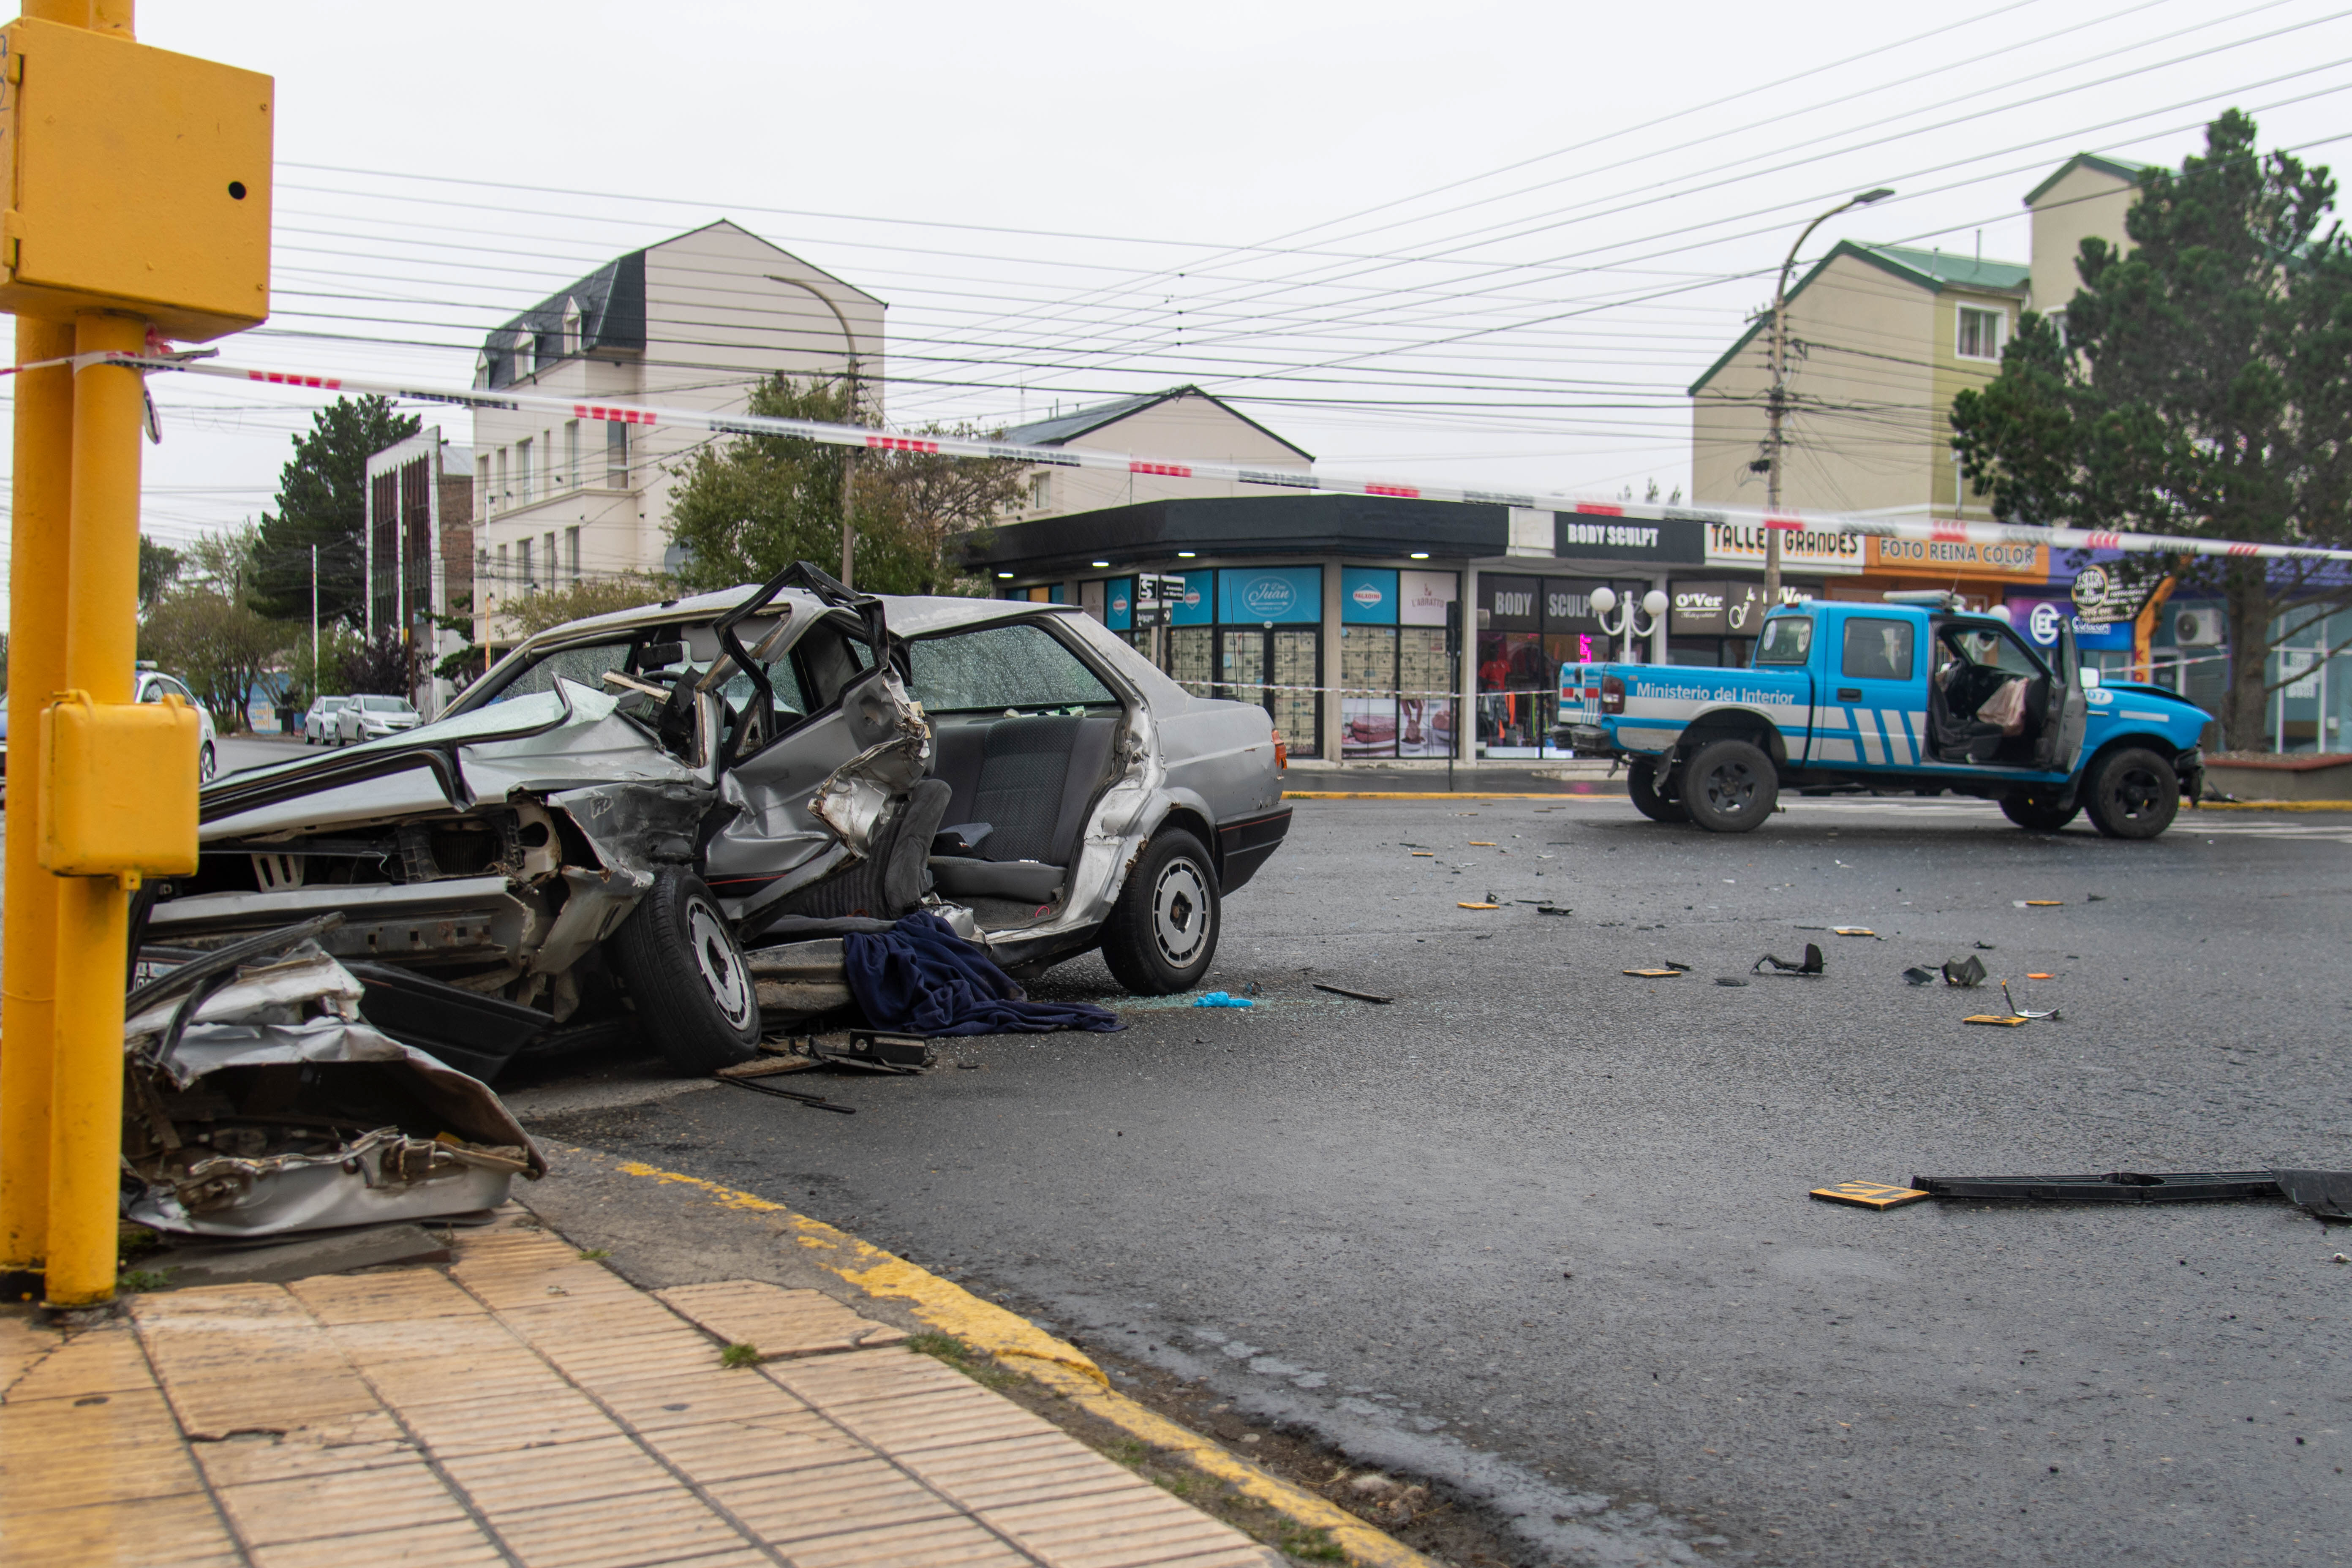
2134	794
1162	932
695	995
1729	786
2037	812
207	764
1641	783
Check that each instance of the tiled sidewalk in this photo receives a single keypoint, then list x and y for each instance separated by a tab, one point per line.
524	1406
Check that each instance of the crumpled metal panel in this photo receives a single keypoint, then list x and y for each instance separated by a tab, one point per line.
640	827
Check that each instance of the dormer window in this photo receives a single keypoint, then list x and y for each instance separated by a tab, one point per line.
570	328
481	370
525	361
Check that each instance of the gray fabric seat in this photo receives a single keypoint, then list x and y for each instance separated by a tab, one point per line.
1031	780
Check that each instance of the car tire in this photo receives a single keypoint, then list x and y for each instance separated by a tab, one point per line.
1641	784
2037	812
207	763
685	971
1729	786
1162	932
2134	794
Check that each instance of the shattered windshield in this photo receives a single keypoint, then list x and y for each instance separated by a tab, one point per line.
995	668
583	663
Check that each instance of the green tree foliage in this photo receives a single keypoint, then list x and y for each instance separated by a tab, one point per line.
203	627
2202	385
322	501
386	664
745	509
158	565
545	608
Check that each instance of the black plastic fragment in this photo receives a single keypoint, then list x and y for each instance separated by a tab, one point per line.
1359	996
813	1101
1813	964
2324	1194
1918	974
2114	1187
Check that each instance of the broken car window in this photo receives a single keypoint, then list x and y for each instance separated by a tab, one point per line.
584	663
996	667
1787	640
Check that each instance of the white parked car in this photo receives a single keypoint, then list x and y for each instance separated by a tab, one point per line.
152	684
318	723
365	719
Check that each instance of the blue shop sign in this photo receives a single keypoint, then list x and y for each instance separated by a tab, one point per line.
1199	605
1367	597
2037	620
1256	595
1118	603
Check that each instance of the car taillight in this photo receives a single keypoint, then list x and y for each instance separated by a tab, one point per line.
1612	694
1281	755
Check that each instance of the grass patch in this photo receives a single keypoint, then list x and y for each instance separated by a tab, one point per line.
974	1364
739	1355
138	1280
595	1254
1128	1451
1314	1545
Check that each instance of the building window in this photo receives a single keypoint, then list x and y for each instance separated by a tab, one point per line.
524	360
1041	491
1980	332
570	328
551	483
486	498
503	497
522	563
522	469
571	553
504	581
571	454
617	456
547	543
481	370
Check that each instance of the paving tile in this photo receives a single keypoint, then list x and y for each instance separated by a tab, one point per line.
782	1324
493	1425
837	1381
563	1473
157	1532
1037	1468
634	1359
513	1373
214	1300
97	1361
309	1507
361	1443
1112	1532
617	1532
271	1401
737	1394
456	1543
938	1419
38	1475
797	1440
422	1339
933	1543
405	1295
22	1345
865	1494
110	1423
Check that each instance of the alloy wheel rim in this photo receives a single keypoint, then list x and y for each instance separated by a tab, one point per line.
718	963
1179	912
1731	789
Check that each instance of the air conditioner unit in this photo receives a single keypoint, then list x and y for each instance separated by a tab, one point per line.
2200	627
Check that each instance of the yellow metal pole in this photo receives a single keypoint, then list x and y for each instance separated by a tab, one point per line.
101	617
36	571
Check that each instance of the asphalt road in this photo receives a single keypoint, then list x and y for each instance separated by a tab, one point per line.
1541	1229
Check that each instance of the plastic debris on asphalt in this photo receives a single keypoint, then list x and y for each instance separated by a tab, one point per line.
1813	964
1919	975
1966	972
2036	904
2005	1021
2023	1012
1359	996
1221	999
1869	1195
1655	974
1852	931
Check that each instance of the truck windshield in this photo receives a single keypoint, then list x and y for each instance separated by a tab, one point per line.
1787	640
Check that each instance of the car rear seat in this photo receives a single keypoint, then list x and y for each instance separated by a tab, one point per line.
1031	780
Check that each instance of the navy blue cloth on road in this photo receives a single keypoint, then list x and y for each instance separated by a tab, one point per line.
920	977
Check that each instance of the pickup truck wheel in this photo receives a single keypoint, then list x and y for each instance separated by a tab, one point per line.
2037	812
2135	795
1730	787
1641	783
693	992
1162	932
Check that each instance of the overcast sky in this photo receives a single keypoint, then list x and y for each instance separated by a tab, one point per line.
1455	241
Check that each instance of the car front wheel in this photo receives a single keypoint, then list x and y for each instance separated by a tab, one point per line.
1729	786
1641	784
695	995
1162	932
206	764
2135	795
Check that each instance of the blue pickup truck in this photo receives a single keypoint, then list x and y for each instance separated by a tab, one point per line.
1911	696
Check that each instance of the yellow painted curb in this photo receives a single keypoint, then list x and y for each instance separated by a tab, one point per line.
1464	794
1068	1370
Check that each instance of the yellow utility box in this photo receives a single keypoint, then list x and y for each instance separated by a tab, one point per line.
131	178
121	792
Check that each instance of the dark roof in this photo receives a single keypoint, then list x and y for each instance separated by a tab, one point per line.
1079	421
612	305
2122	169
1933	270
1376	526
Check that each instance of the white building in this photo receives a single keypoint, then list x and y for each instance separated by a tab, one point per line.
419	549
694	321
1182	425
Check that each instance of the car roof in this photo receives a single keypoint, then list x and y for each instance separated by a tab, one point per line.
909	614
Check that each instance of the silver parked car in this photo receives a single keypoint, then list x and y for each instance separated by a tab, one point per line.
319	720
677	810
151	685
363	719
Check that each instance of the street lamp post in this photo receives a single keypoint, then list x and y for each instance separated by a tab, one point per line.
849	458
1777	408
1628	624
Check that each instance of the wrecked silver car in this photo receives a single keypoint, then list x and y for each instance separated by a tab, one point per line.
672	815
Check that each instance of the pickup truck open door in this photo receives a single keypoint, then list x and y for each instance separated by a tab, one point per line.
2061	734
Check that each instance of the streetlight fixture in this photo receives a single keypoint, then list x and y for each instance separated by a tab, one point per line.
1653	604
849	458
1778	406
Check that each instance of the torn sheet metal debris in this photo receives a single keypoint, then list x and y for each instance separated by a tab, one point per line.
1966	973
1919	975
1359	996
1813	964
1869	1195
2024	1012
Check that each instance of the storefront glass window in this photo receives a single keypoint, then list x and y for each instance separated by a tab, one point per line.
1368	678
